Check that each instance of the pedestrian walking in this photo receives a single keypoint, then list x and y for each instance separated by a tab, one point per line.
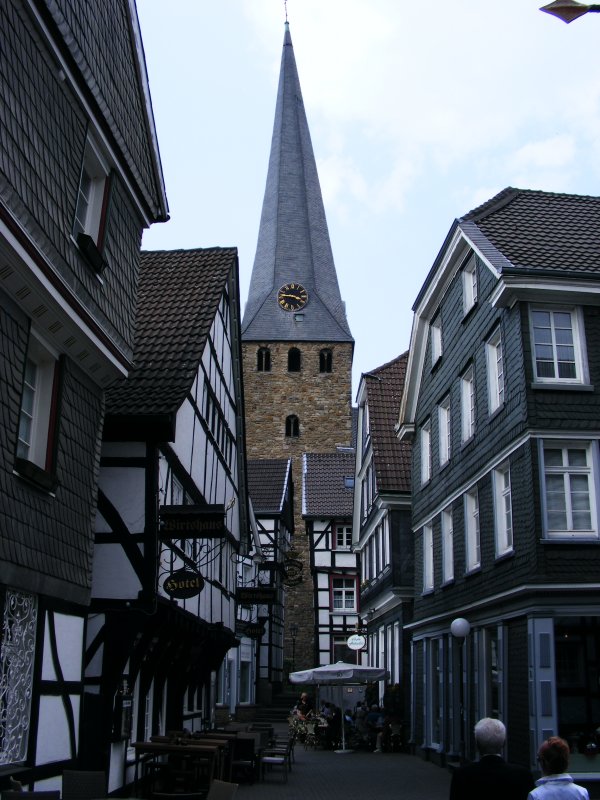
556	783
491	777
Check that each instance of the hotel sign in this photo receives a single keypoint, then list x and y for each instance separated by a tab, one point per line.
192	522
183	584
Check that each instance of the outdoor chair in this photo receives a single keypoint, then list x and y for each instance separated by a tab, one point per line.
275	757
243	763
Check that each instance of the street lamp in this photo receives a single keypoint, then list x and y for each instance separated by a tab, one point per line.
568	10
460	628
293	634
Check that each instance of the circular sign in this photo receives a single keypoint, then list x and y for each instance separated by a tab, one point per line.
356	641
183	583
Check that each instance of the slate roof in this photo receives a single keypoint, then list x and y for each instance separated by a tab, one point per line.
178	296
268	481
531	232
392	459
293	239
324	492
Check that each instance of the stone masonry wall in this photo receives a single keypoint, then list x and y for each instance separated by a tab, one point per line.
322	403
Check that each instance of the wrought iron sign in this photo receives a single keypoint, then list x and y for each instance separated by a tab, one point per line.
192	522
183	583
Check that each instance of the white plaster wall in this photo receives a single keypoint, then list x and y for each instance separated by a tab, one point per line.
53	742
113	574
69	643
125	488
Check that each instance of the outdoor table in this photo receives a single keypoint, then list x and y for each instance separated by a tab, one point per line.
209	752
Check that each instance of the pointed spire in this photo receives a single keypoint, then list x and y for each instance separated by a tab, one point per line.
293	240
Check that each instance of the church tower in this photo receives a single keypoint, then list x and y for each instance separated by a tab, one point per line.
297	345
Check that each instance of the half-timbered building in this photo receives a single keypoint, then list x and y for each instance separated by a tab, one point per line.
327	499
382	525
80	179
503	401
172	517
271	489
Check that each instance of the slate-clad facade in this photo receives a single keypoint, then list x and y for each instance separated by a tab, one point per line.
173	450
382	528
297	343
502	405
70	232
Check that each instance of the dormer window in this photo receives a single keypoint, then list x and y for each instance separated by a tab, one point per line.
294	360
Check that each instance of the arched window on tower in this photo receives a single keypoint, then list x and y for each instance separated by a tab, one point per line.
292	426
325	360
263	359
294	360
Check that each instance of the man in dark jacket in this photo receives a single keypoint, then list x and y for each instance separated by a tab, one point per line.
491	778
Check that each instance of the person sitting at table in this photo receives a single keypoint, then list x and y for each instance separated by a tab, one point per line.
303	707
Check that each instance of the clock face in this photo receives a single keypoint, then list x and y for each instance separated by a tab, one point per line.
292	297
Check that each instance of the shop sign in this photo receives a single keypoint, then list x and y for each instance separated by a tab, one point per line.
183	584
356	642
192	522
254	630
253	595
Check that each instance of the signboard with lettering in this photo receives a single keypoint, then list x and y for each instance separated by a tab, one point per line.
183	584
254	630
252	595
192	522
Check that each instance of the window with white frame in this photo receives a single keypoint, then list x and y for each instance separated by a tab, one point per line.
472	540
425	437
557	345
467	404
427	558
447	545
469	283
503	510
343	594
38	406
436	339
92	196
568	489
444	429
495	369
343	537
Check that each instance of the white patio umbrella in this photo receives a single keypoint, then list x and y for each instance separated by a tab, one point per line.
339	674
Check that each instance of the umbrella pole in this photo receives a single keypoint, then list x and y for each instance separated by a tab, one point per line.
343	750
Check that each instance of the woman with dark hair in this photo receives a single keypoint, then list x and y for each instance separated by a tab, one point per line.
556	783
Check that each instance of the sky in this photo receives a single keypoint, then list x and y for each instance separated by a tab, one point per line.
418	112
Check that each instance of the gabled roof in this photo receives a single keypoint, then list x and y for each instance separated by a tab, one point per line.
539	232
536	244
293	239
268	484
325	492
178	297
391	458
